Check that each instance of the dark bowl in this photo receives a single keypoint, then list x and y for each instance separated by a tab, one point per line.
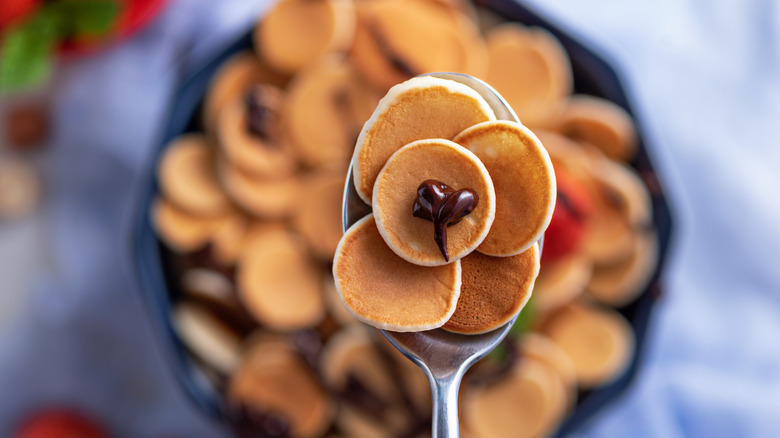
592	75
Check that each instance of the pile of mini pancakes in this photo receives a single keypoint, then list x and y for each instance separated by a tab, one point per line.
249	209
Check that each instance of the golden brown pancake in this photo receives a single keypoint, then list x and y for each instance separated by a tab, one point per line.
333	302
228	239
523	176
278	284
232	79
273	378
622	205
620	283
266	154
561	280
295	33
493	290
263	198
396	190
352	362
208	338
420	108
387	292
531	71
599	341
326	107
530	402
396	40
187	178
543	349
181	231
318	214
601	123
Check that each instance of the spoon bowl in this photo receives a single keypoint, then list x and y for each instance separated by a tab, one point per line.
443	356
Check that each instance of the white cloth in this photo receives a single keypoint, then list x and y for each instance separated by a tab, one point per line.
704	77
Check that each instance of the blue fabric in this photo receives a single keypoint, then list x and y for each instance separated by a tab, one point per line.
705	79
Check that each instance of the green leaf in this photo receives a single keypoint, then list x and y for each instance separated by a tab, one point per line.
27	51
90	17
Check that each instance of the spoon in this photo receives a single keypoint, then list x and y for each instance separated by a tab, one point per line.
443	356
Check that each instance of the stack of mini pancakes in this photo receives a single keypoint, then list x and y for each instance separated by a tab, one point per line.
250	211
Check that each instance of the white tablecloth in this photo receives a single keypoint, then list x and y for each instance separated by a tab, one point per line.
705	79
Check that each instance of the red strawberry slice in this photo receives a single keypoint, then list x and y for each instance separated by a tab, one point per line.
14	11
567	227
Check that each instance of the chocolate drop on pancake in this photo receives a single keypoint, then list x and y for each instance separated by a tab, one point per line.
444	206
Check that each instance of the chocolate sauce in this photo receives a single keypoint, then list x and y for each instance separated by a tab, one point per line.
260	118
444	206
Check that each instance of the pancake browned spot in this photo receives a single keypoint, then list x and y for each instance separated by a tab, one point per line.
295	33
420	108
598	340
250	133
396	191
523	176
530	69
386	291
187	178
278	284
493	290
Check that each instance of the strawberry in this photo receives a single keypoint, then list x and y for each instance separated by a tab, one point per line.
567	226
60	423
14	11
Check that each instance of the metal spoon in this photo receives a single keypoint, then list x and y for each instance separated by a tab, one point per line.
442	355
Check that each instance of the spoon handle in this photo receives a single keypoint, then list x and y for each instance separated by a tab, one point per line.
445	405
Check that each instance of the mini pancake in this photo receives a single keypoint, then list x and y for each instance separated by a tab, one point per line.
543	349
622	205
228	239
493	290
20	188
187	178
273	378
601	123
181	231
396	40
232	79
266	154
387	292
318	214
620	283
263	198
566	154
278	284
420	108
396	190
530	69
295	33
530	402
561	280
207	338
524	179
326	107
599	342
359	374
